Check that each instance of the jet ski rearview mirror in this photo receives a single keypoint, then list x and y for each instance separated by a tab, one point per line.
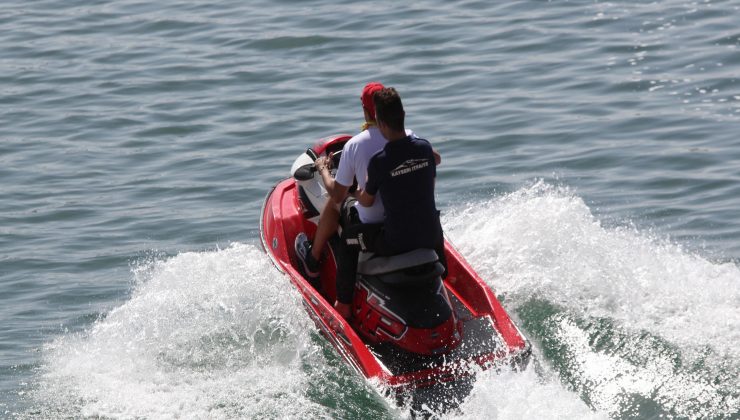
305	172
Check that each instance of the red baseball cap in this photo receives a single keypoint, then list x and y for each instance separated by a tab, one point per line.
367	96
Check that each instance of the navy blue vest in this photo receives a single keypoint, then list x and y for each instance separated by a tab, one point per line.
404	173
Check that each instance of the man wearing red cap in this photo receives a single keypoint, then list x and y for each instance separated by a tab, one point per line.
353	165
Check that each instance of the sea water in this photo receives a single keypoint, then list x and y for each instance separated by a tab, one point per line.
590	174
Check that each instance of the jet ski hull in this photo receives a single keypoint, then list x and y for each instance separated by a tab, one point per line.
489	337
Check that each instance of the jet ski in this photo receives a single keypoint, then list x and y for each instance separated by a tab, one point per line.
419	336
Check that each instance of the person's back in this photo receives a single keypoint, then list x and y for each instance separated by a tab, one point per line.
403	173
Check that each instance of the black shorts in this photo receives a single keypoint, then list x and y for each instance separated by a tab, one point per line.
365	236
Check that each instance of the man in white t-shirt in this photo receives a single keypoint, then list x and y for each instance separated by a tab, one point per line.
353	165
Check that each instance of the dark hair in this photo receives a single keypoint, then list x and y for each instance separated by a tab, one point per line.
388	108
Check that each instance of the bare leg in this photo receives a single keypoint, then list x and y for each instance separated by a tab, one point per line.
328	225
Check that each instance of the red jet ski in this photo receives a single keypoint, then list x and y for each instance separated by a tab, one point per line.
412	331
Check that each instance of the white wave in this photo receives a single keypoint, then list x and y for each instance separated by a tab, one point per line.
222	335
205	335
611	380
509	395
543	242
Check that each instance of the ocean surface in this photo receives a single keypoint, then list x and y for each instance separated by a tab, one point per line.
590	174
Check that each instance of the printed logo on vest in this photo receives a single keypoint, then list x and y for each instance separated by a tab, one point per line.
410	166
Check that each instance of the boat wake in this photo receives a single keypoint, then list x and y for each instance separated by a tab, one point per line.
636	325
623	324
204	335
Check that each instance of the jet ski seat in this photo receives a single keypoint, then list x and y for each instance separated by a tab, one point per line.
410	285
414	266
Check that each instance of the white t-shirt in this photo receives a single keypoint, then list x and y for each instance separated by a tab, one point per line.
353	164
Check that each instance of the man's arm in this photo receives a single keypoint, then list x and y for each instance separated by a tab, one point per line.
337	192
437	157
364	198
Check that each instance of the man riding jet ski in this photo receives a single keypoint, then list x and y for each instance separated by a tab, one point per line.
403	172
417	315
